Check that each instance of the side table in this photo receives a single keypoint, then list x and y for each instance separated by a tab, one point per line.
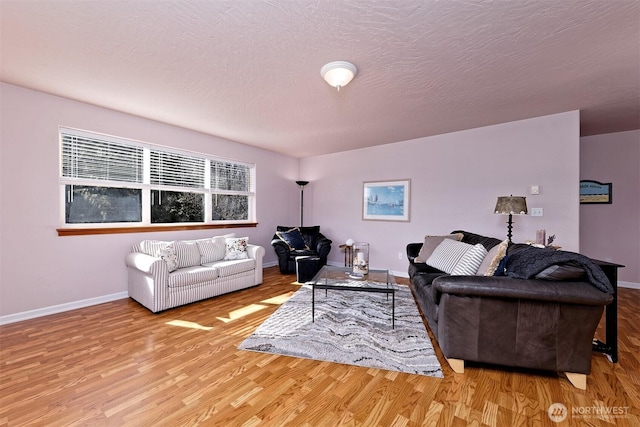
610	346
348	255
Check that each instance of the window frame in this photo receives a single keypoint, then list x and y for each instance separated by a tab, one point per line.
146	187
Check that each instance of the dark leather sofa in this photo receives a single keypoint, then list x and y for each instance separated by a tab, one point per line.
501	320
318	245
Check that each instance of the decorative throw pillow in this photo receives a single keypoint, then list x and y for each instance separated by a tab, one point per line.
169	256
293	238
501	270
188	253
213	249
446	256
470	262
493	258
153	247
431	243
236	248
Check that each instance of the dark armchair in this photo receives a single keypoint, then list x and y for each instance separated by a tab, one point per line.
314	244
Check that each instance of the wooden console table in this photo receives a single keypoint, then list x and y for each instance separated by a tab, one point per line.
610	346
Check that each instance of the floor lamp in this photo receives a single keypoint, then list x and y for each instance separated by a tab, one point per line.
302	184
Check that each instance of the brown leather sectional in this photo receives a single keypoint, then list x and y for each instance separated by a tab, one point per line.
501	320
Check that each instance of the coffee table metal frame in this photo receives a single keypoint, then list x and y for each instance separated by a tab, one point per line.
337	278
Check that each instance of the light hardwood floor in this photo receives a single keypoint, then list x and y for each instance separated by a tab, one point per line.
117	364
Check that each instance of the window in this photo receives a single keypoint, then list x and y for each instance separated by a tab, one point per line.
112	181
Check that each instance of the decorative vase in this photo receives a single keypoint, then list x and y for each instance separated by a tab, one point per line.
361	258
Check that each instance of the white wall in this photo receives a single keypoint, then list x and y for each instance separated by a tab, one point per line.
39	269
612	231
455	181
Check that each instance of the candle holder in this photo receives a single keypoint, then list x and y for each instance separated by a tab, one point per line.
360	258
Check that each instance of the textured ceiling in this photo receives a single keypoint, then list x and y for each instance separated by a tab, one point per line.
249	70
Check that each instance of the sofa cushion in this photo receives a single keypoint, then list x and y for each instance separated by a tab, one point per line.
447	254
501	270
229	268
187	252
422	269
293	238
169	256
153	247
213	249
470	261
192	275
474	239
432	242
493	258
236	248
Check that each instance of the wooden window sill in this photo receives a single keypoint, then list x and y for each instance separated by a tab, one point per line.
148	228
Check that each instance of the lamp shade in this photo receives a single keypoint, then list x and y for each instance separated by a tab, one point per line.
338	73
511	205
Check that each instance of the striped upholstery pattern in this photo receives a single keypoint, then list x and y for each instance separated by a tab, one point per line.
187	252
211	249
153	247
190	275
152	285
200	291
229	268
470	261
446	255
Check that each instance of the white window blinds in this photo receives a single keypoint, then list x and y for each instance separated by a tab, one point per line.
96	159
176	170
107	179
231	177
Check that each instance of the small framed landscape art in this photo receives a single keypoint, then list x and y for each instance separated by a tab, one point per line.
386	200
595	192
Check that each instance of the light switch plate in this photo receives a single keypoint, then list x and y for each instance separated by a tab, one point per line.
535	189
536	211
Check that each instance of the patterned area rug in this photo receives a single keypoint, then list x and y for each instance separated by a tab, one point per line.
352	328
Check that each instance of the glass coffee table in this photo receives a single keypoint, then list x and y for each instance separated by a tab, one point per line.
338	279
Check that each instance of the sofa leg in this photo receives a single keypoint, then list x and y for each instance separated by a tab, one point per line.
578	380
457	365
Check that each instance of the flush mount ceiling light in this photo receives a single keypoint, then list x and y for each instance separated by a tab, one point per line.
338	73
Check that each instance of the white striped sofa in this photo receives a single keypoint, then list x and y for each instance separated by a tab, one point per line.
163	275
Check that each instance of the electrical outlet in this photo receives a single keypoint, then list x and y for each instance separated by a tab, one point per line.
536	212
399	255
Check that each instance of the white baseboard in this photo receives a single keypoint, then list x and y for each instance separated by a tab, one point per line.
31	314
630	285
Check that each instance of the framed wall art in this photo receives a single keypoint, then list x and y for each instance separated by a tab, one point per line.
386	200
595	192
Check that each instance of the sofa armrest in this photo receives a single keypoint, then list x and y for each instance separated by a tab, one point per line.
413	249
322	245
257	253
145	263
582	293
280	246
147	280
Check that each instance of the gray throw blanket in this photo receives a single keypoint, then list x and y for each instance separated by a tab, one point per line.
525	263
